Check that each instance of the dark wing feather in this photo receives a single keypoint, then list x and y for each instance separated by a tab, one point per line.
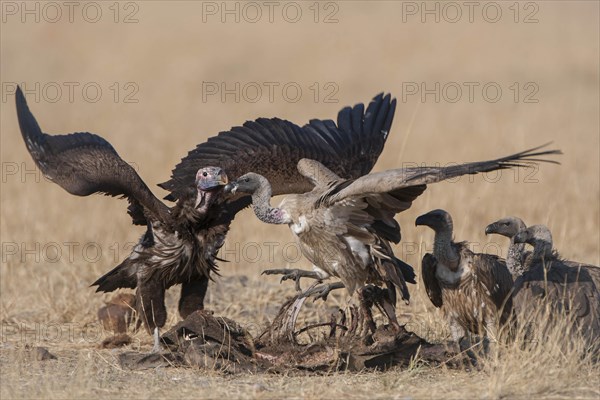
83	163
273	147
397	179
567	285
492	271
432	286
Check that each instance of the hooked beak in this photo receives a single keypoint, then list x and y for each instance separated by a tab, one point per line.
231	188
422	220
491	228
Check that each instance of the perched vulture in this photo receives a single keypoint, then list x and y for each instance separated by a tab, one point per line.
568	287
516	255
181	242
473	290
344	227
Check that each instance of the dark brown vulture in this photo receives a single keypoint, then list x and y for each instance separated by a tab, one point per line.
473	290
345	227
181	242
509	227
569	287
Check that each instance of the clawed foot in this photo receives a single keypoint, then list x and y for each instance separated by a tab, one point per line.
294	274
322	291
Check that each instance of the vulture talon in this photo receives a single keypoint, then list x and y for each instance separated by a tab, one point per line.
293	274
322	291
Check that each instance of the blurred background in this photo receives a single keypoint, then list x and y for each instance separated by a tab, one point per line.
156	78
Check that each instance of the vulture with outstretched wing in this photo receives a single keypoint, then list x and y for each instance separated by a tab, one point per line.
345	227
181	243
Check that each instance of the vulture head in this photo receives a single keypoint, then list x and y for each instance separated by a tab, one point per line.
538	236
438	220
208	181
248	183
534	234
260	189
507	227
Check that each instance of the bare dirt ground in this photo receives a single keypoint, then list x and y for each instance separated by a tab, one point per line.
172	56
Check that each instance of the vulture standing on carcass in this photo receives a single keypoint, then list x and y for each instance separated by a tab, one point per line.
473	290
509	227
181	243
344	227
569	287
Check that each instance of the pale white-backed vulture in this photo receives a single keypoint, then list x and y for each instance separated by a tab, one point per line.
473	290
515	257
181	242
569	287
344	227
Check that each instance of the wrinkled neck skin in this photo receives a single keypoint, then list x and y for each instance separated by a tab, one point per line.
261	204
206	199
443	249
514	258
542	250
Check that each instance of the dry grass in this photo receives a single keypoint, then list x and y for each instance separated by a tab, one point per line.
169	53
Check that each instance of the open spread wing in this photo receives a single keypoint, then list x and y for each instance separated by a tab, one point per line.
273	147
395	180
83	163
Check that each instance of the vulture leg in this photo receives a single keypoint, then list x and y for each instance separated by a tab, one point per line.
387	304
491	337
385	300
150	303
322	291
157	348
458	335
192	296
294	274
366	297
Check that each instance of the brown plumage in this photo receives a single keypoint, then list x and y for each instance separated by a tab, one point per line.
472	289
181	243
567	286
344	227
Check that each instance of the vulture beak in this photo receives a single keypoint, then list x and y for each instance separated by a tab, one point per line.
421	220
491	228
231	188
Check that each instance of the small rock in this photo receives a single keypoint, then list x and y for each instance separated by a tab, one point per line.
42	354
117	314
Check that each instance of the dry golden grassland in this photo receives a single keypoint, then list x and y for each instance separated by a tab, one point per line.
54	244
